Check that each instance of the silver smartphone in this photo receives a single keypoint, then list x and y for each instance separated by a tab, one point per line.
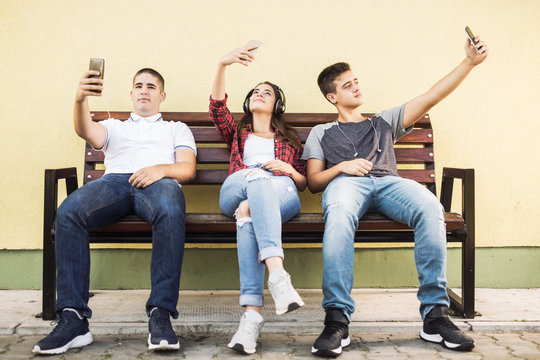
252	46
97	65
471	37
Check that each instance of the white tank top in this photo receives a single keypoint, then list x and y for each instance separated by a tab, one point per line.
258	150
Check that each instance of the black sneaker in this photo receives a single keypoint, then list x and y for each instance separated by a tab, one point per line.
438	328
162	336
70	332
335	335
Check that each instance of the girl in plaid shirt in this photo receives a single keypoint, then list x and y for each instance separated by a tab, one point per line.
260	192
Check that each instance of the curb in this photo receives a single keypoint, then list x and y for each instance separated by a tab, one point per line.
296	328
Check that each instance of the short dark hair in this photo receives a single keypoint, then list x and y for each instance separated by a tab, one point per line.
327	76
154	73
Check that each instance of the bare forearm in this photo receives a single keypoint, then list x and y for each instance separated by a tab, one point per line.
218	88
183	172
450	82
317	182
299	180
81	118
420	105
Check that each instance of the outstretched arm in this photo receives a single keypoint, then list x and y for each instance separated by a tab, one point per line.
94	133
416	108
240	55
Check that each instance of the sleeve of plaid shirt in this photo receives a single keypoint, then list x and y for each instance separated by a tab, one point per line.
222	118
299	164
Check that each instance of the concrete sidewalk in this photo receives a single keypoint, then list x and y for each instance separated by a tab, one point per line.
386	320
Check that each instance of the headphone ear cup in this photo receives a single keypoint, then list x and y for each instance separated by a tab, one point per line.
278	108
246	102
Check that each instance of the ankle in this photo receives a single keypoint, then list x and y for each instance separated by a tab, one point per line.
252	314
276	274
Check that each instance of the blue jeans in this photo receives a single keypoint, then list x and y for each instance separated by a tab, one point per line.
272	201
346	199
103	201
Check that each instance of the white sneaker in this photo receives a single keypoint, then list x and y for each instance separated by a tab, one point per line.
245	339
285	297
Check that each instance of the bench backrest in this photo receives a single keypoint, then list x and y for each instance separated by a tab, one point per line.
414	152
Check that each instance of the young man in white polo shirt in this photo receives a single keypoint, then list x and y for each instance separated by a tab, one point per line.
146	160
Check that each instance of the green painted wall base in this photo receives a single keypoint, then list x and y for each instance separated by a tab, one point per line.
509	267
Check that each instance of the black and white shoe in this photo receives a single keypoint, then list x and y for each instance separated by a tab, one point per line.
335	335
71	331
162	336
438	328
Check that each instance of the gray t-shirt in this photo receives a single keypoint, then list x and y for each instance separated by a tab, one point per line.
372	139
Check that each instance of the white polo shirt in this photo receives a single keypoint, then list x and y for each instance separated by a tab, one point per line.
141	142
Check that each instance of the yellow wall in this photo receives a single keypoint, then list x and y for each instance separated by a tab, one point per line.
397	48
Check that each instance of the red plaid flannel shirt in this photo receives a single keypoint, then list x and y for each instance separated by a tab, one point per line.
227	128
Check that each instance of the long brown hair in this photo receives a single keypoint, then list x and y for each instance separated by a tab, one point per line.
286	131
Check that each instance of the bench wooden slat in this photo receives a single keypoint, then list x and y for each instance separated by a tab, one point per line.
222	155
301	223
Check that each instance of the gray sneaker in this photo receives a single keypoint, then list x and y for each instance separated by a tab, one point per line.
285	297
245	339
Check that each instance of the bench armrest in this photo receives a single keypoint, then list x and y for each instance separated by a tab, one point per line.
467	191
51	193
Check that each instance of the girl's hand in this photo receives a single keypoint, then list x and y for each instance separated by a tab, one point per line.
239	55
278	166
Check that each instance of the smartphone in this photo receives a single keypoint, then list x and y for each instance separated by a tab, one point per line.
254	45
97	65
471	37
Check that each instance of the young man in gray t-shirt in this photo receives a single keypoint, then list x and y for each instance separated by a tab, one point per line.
352	159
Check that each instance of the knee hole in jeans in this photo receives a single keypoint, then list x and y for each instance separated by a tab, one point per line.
242	214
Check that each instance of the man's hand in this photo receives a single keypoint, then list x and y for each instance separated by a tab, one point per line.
147	176
86	84
278	166
356	167
476	57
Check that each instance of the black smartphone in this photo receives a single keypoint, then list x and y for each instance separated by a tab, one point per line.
471	37
97	65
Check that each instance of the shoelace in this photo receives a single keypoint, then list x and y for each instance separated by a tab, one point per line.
248	327
161	321
283	285
58	324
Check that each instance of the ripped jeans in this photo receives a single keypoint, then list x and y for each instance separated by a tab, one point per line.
272	200
348	198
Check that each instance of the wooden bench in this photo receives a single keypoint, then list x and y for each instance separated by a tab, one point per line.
415	157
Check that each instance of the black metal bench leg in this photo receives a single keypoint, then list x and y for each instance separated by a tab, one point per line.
49	281
467	282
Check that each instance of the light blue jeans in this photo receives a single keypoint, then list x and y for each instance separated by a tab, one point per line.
346	199
272	201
